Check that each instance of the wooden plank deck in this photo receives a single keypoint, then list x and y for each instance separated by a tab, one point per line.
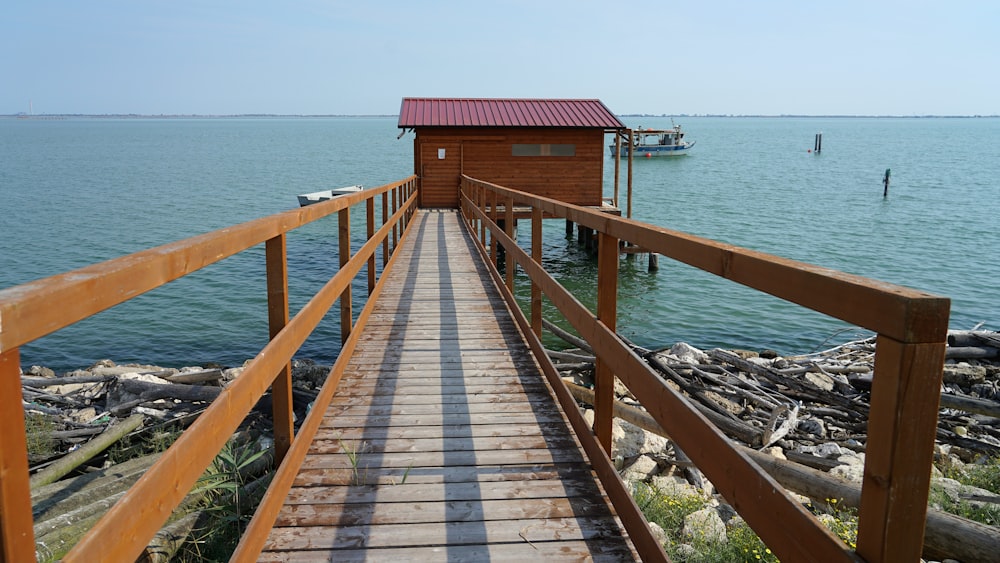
443	442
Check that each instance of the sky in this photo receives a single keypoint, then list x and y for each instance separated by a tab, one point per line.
211	57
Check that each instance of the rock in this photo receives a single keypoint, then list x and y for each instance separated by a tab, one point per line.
776	452
674	486
40	371
726	512
704	524
985	390
821	381
957	492
812	426
848	472
628	440
826	449
687	353
685	551
658	533
641	469
964	374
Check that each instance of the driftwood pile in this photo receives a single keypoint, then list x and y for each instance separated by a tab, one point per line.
96	427
804	419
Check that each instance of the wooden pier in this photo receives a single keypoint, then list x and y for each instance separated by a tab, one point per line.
437	435
443	442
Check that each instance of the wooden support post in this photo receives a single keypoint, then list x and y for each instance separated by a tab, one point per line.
654	262
276	254
511	230
569	228
885	183
395	232
607	313
481	199
385	219
493	219
344	224
901	430
370	223
536	255
629	180
618	166
17	536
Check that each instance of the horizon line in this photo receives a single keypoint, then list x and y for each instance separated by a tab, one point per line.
22	115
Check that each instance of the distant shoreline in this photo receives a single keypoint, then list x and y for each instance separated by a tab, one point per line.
341	116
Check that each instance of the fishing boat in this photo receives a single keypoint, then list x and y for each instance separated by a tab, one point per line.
648	143
323	195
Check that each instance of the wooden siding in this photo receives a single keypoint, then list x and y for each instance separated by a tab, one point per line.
443	442
485	153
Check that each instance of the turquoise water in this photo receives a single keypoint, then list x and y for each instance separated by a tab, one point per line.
77	191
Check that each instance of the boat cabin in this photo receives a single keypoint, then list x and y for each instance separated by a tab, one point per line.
552	148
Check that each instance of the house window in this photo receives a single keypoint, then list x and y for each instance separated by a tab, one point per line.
544	149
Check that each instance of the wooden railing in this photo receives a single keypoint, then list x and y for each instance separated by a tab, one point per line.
910	345
33	310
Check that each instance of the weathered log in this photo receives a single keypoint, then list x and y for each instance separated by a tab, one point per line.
55	536
570	338
735	428
51	500
970	404
29	381
946	535
147	392
971	352
168	541
796	388
959	338
569	356
949	437
202	376
77	457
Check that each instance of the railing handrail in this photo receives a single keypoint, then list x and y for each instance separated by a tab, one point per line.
35	309
912	326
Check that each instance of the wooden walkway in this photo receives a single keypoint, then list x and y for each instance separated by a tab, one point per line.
443	442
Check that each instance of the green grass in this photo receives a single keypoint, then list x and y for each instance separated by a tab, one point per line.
669	510
226	502
38	428
984	476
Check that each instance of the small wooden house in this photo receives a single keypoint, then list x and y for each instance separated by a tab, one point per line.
553	148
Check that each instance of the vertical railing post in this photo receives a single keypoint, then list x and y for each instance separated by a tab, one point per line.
902	427
481	199
385	219
276	255
618	167
370	223
508	219
344	224
395	226
17	535
628	181
493	219
607	313
536	255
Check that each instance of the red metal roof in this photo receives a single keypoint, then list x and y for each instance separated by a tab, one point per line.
493	112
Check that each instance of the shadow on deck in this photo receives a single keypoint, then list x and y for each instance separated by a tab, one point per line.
443	441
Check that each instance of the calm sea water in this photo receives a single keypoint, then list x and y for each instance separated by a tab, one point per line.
77	191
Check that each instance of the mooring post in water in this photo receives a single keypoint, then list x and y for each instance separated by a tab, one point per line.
885	183
818	145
